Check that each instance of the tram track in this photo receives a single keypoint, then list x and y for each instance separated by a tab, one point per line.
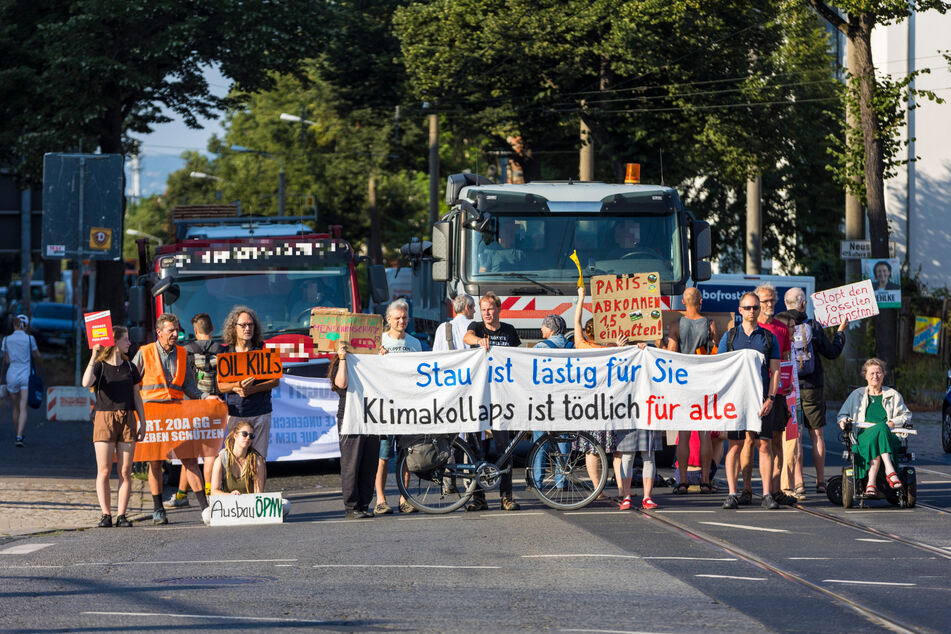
871	614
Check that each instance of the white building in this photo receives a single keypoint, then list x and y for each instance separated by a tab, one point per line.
918	199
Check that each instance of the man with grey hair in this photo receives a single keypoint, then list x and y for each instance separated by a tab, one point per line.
449	334
809	341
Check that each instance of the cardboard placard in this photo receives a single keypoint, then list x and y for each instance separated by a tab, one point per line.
262	365
251	508
852	302
99	328
626	305
362	332
190	429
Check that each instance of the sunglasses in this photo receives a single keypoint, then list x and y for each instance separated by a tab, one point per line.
246	434
753	308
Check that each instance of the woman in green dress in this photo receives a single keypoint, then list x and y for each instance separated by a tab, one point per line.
885	409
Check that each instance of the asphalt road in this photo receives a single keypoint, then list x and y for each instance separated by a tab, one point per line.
688	566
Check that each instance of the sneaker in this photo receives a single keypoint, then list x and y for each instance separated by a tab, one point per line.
383	509
367	512
625	504
769	503
406	507
105	522
123	522
649	505
357	514
159	517
19	441
731	502
508	504
175	502
206	516
786	500
477	504
745	498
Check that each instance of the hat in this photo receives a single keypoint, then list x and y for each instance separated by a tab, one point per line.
23	319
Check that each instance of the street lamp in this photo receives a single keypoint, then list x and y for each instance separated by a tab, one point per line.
280	177
205	176
293	118
136	232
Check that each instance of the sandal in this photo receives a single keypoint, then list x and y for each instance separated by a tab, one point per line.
708	487
893	480
820	487
681	489
800	492
871	491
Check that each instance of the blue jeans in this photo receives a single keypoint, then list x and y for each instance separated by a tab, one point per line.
538	468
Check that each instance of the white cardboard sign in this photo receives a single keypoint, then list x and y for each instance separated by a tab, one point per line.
850	302
253	508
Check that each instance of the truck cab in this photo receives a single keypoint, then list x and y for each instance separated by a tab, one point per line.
516	240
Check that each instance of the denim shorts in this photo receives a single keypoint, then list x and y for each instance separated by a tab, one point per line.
387	447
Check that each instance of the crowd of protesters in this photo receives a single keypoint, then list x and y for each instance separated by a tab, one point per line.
163	371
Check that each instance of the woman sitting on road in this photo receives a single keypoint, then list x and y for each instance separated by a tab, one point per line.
114	433
875	445
239	468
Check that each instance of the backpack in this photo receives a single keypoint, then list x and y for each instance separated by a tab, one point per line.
568	343
803	351
731	335
206	365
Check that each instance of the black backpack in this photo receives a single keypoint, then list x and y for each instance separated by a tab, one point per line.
731	335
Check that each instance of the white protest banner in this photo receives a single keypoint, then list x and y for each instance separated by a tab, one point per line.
850	302
252	508
303	420
419	393
565	390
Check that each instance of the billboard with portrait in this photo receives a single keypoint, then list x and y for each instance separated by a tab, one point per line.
886	281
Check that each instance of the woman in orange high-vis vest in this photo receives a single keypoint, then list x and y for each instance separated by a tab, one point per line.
161	383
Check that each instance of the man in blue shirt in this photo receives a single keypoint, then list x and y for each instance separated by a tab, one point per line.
750	335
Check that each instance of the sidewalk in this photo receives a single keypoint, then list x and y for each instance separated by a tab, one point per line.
51	483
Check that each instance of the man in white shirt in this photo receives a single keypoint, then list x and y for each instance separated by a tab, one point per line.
463	307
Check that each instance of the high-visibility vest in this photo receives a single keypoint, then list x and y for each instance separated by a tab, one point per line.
155	389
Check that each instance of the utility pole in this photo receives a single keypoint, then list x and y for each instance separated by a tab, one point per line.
754	225
25	249
433	166
586	154
281	191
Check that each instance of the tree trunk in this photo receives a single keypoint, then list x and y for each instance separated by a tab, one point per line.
860	32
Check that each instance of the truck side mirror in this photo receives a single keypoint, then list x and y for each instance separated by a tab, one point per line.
701	247
440	251
379	287
168	289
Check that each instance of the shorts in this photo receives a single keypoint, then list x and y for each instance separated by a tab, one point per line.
766	430
643	440
262	430
813	407
387	447
18	377
114	426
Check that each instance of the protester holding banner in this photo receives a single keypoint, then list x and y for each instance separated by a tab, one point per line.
486	333
118	401
553	332
809	342
168	376
250	398
18	348
396	340
767	301
750	335
449	335
875	445
204	353
359	453
693	334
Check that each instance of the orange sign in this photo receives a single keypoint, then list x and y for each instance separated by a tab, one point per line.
189	429
259	364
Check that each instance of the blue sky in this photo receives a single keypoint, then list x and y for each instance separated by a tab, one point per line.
162	148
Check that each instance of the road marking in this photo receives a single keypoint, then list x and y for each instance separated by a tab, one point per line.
732	577
597	512
606	631
223	617
23	549
931	471
30	566
935	482
692	558
809	558
406	566
670	511
747	528
869	583
166	563
565	555
283	565
873	540
509	514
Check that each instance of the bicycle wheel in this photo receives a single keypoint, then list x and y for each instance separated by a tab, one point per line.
443	490
557	472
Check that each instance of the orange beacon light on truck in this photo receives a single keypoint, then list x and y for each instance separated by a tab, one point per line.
632	174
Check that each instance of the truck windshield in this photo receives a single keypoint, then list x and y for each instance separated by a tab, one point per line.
280	286
538	247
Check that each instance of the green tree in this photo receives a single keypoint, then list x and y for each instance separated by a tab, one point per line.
876	114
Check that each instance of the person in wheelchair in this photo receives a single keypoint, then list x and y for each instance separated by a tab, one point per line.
875	445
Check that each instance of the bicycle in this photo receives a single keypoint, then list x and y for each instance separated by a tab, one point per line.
556	472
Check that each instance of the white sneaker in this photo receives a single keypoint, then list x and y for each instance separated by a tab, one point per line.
174	503
206	516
